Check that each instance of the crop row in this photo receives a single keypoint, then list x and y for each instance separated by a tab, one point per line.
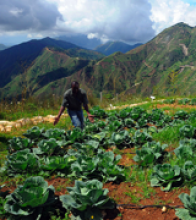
184	101
81	155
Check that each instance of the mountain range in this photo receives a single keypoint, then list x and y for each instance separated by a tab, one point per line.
112	47
166	64
96	44
81	40
2	47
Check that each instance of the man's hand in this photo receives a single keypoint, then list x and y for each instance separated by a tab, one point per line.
56	120
91	118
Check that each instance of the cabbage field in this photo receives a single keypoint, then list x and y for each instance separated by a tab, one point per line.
93	157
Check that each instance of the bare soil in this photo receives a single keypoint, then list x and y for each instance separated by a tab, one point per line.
121	193
118	192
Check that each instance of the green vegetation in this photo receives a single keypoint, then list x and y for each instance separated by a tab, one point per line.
165	175
189	203
86	200
166	62
162	155
30	200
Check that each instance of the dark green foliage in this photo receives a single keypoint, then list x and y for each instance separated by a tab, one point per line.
169	101
141	138
129	122
54	133
121	138
57	164
150	153
181	115
48	147
184	152
187	131
18	143
189	171
115	126
189	213
165	175
21	162
183	101
86	200
124	114
192	102
136	113
2	200
157	115
34	133
97	111
103	167
30	199
75	135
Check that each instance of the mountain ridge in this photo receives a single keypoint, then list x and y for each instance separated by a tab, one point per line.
147	69
114	46
16	59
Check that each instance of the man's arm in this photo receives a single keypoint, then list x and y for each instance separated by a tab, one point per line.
90	117
63	106
59	115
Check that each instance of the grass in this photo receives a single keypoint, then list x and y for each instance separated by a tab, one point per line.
169	136
131	194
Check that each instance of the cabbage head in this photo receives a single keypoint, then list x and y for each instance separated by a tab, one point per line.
189	171
165	175
181	114
21	162
86	200
141	138
34	132
129	122
54	133
187	131
30	199
192	102
18	143
120	138
189	213
183	152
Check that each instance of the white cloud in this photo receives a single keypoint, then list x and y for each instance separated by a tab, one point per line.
92	35
166	13
39	36
29	35
126	20
16	11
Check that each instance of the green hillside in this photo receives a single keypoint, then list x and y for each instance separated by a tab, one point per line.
15	60
50	66
165	65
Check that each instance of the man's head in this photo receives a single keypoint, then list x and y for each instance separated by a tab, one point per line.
75	87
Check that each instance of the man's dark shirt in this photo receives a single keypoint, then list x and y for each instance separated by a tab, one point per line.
74	101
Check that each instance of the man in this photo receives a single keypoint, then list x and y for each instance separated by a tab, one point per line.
73	100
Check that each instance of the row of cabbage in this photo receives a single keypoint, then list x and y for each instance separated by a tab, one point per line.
49	151
36	200
184	101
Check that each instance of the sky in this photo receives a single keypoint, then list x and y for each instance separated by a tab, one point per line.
129	21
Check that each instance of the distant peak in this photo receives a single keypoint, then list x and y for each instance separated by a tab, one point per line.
182	24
